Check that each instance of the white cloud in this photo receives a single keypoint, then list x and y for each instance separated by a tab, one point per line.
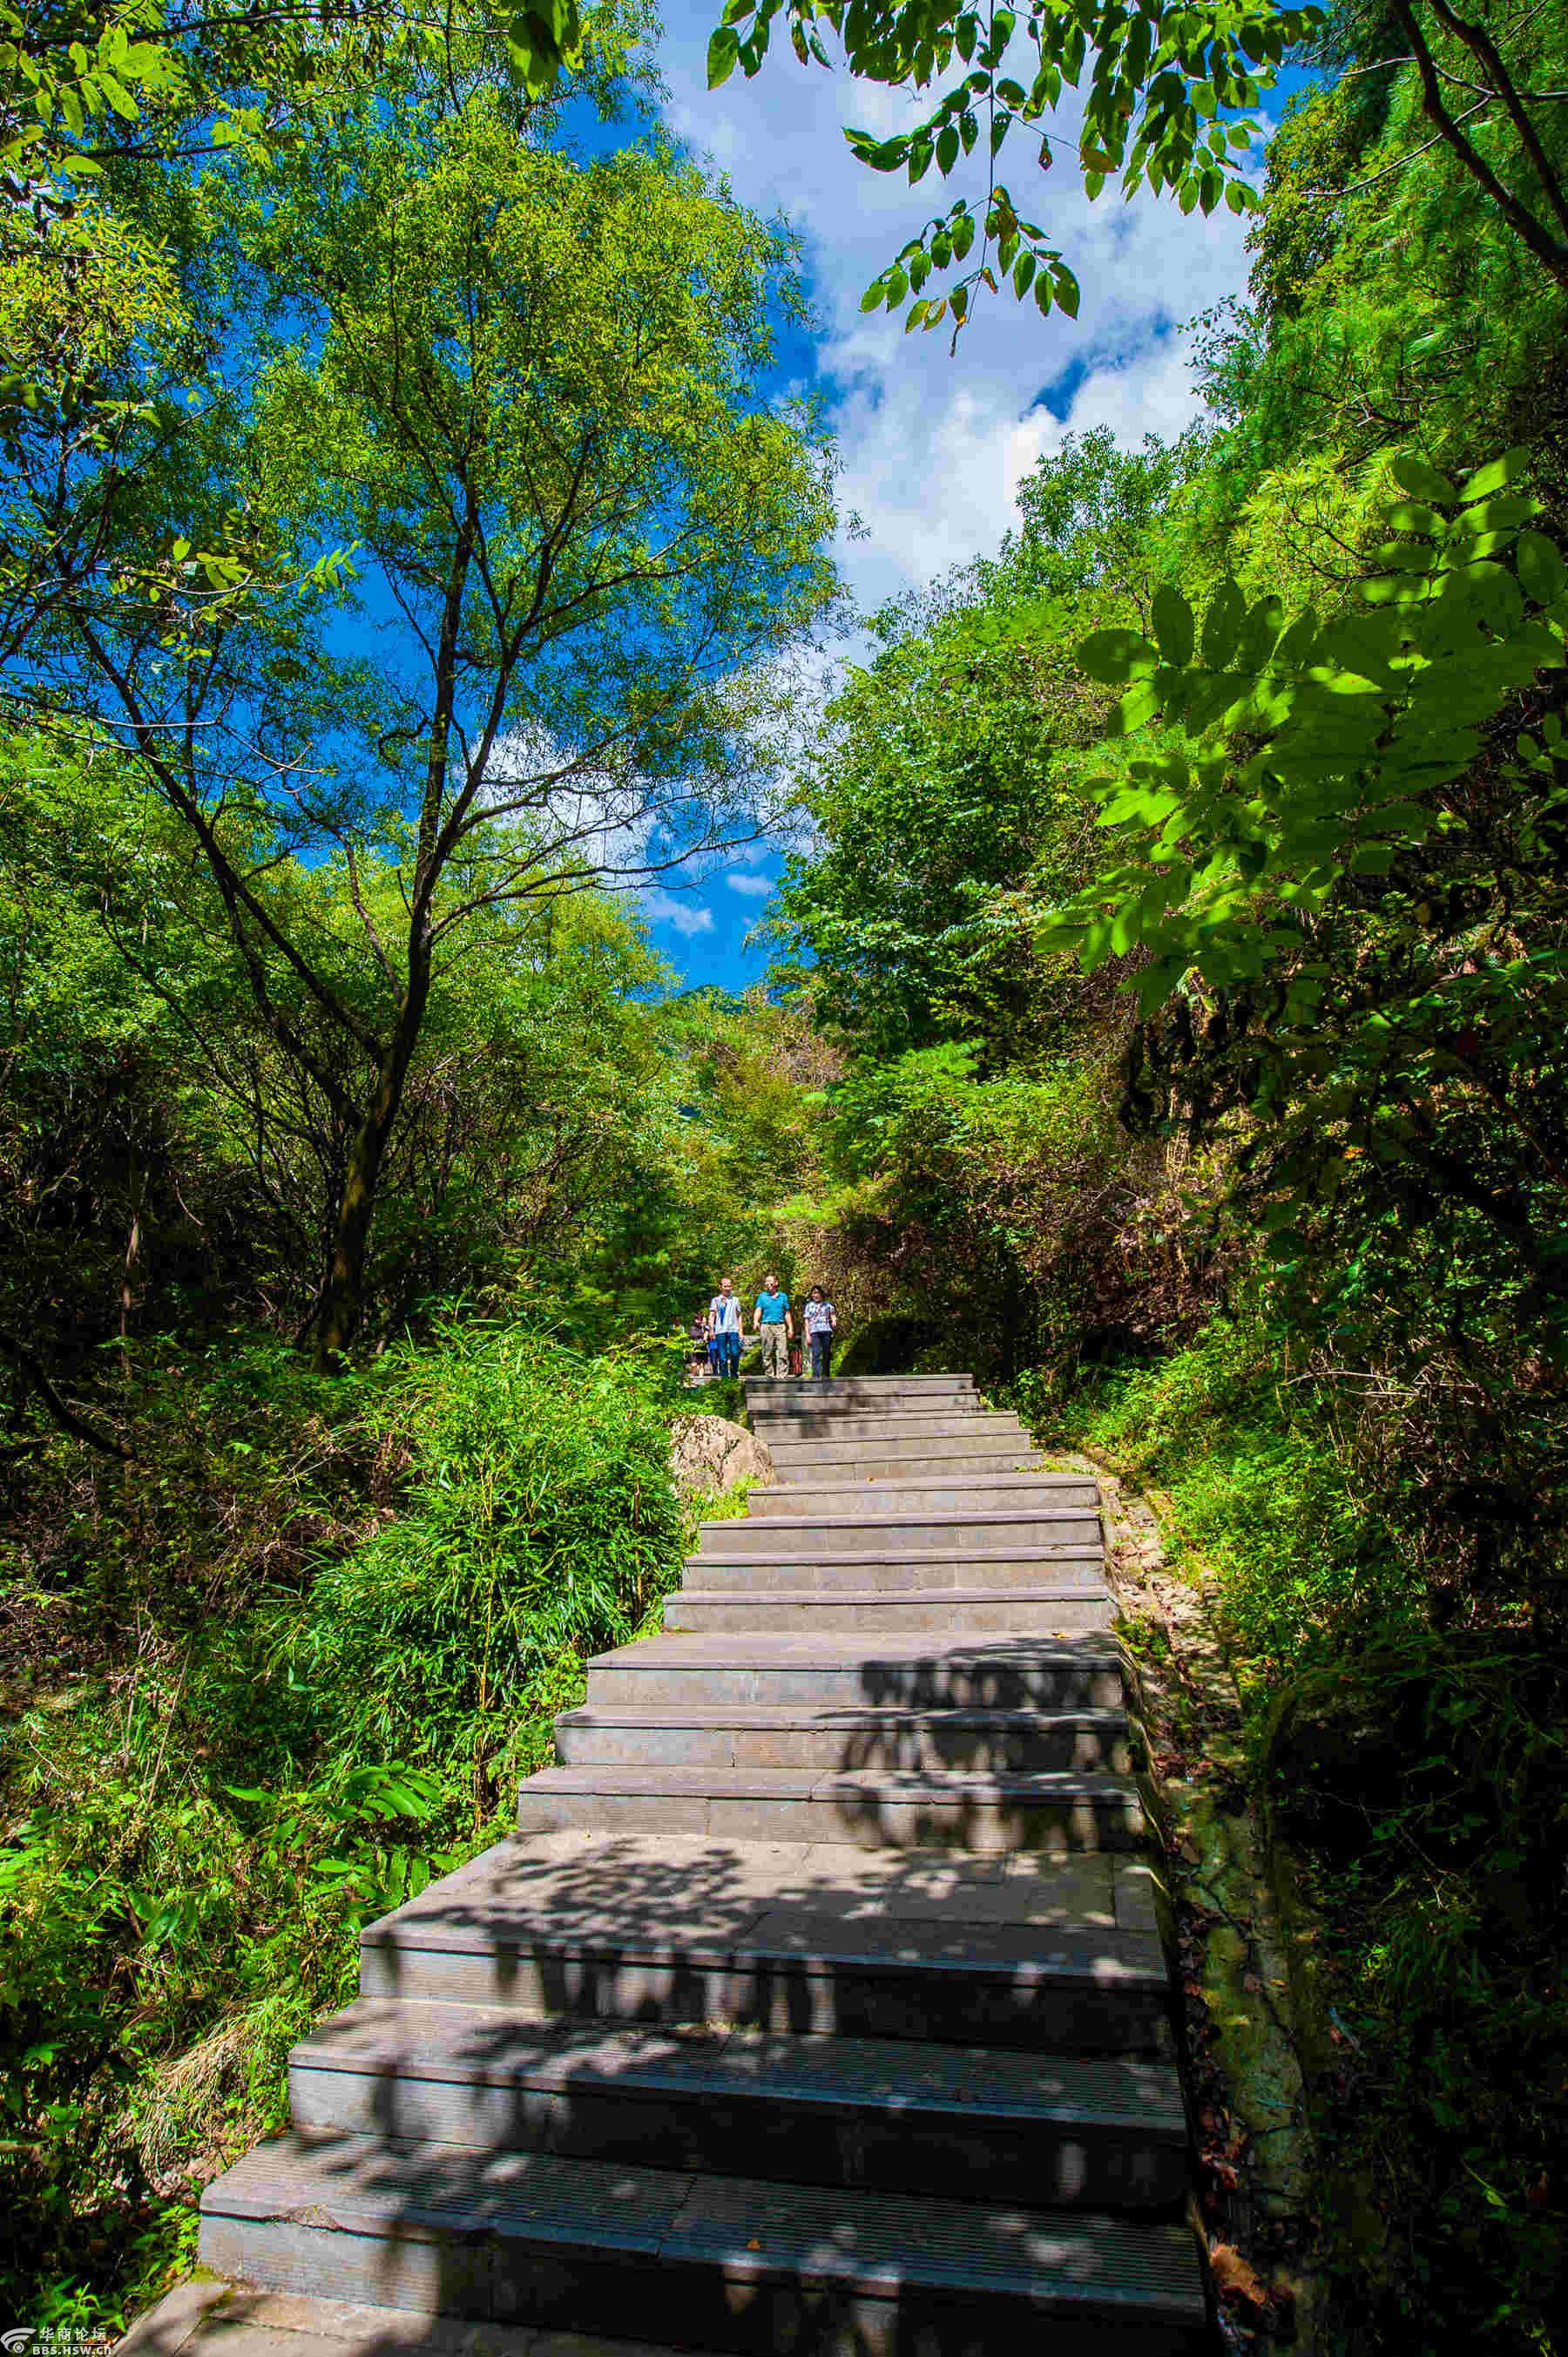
685	917
750	888
934	448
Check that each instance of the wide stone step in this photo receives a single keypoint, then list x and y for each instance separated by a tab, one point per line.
1037	1951
819	1670
935	1423
1051	1810
896	1574
885	2115
1009	1743
880	1531
872	1391
872	1460
726	2264
1060	1609
919	1493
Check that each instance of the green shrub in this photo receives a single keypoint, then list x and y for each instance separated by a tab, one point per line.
538	1523
1418	1763
278	1680
1304	1560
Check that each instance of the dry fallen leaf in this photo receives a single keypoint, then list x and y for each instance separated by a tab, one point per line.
1234	2280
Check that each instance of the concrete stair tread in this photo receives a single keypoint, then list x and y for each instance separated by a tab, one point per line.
657	1895
834	1716
955	1423
492	2046
922	1559
750	2230
958	1408
823	1650
895	1457
205	2317
805	1783
981	1433
933	1376
758	1592
1045	1486
892	1519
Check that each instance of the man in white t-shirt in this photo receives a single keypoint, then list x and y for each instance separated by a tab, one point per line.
724	1328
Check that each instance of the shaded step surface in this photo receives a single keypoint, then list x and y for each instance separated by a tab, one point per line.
764	1392
887	1528
818	1667
823	1939
1039	1610
904	1809
549	2239
890	1736
795	1564
867	1460
204	2316
888	2116
932	1423
920	1493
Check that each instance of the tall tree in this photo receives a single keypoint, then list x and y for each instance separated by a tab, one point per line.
530	395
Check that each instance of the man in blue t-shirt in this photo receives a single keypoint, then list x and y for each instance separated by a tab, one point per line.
775	1326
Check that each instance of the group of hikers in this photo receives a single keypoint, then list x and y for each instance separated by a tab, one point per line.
716	1334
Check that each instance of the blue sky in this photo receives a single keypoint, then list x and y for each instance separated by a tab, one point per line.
931	448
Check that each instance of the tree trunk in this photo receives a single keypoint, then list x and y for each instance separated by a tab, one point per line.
342	1302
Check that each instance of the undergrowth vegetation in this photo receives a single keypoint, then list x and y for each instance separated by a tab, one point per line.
1420	1774
259	1695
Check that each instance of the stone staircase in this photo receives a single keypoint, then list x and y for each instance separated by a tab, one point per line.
819	2008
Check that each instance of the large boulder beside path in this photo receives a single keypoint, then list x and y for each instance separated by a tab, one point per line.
711	1454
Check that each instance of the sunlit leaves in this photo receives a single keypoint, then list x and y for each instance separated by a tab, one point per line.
1010	249
1290	762
1157	94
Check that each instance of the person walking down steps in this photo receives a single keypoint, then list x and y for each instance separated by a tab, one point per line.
821	1325
725	1330
774	1325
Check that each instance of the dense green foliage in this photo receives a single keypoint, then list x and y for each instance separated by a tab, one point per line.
258	1696
401	547
1424	1771
1187	901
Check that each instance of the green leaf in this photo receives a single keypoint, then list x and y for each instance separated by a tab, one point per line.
1139	704
723	50
1406	555
1174	625
1497	516
1222	625
1422	482
1115	656
1497	477
1541	567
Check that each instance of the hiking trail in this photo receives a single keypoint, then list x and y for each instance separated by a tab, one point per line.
819	2003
